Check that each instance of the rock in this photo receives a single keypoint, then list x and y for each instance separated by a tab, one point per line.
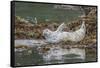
29	31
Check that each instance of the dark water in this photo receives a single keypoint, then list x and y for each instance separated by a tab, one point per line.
36	55
45	12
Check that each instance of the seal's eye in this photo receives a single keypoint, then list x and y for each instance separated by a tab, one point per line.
47	30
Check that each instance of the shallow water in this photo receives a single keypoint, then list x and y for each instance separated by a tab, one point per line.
45	12
37	55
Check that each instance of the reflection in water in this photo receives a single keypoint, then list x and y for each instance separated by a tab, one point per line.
35	53
60	55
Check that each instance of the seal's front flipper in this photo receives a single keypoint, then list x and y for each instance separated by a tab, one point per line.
61	27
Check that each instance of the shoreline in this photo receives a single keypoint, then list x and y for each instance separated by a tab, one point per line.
42	43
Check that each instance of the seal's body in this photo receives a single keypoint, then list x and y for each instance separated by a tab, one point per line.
60	35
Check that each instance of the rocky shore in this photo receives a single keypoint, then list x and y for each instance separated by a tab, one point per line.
28	30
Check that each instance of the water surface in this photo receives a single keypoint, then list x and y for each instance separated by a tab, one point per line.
37	55
46	12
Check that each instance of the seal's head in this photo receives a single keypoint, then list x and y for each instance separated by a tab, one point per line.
46	33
